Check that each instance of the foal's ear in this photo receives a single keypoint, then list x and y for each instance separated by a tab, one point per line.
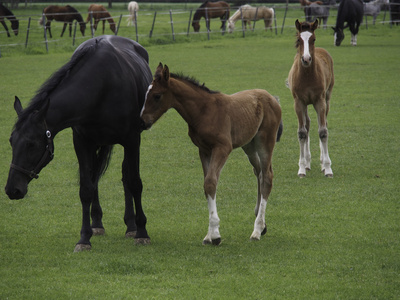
314	25
18	106
158	70
165	73
298	25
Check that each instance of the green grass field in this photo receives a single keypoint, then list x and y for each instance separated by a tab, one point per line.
327	238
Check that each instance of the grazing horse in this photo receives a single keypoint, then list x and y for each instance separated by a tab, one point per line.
210	10
317	11
133	8
373	8
6	13
394	8
311	81
99	94
219	123
350	12
66	14
249	13
98	13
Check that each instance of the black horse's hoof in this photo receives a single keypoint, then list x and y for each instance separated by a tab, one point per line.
130	234
142	241
99	231
82	247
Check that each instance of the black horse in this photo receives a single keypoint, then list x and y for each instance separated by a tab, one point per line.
99	93
350	12
6	13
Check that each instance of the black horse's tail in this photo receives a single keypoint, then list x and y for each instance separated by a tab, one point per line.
280	129
103	157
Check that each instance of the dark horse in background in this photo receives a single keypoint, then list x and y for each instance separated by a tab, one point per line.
210	10
99	93
66	14
350	12
318	11
6	13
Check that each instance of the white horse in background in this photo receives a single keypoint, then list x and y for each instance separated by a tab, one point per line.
250	14
133	8
373	8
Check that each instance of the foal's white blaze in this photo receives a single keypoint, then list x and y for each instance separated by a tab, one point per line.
145	98
305	36
213	227
259	224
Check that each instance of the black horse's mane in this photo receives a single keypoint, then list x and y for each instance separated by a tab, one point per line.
78	15
42	95
193	81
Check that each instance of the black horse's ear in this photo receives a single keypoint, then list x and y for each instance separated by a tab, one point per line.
166	73
18	106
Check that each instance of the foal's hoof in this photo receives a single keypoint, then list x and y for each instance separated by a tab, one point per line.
99	231
214	242
82	247
142	241
264	231
130	234
301	175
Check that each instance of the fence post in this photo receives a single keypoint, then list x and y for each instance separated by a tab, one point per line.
366	22
73	40
284	17
137	36
152	26
276	28
207	24
172	25
27	32
241	17
91	23
255	19
45	33
119	23
190	18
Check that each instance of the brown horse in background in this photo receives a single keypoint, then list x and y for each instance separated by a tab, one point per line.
311	81
66	14
98	13
219	123
210	10
6	13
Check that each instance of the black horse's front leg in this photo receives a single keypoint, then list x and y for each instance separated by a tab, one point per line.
5	27
64	27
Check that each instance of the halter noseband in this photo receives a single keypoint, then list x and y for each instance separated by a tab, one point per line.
48	153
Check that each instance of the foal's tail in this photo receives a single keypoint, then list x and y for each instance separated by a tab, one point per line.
280	129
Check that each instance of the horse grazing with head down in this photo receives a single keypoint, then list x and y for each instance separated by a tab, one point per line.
98	13
6	13
219	123
373	8
133	8
99	94
350	12
66	14
250	14
311	81
210	10
318	11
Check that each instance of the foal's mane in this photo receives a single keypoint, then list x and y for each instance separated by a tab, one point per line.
192	81
40	99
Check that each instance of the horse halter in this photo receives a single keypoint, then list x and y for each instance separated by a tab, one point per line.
48	153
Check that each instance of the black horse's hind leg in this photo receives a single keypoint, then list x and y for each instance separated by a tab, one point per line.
48	26
131	179
129	216
5	27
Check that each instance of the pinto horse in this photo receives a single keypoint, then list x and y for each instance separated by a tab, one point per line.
311	81
249	14
6	13
219	123
350	12
98	13
66	14
90	95
210	10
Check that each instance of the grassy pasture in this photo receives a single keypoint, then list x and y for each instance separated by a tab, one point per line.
327	238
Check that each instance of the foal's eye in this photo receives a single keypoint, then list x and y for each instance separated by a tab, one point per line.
157	97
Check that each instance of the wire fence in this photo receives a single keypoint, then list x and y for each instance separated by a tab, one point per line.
161	25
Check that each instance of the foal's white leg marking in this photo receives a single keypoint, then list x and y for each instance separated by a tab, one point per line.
145	98
213	227
259	224
325	160
305	36
308	153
